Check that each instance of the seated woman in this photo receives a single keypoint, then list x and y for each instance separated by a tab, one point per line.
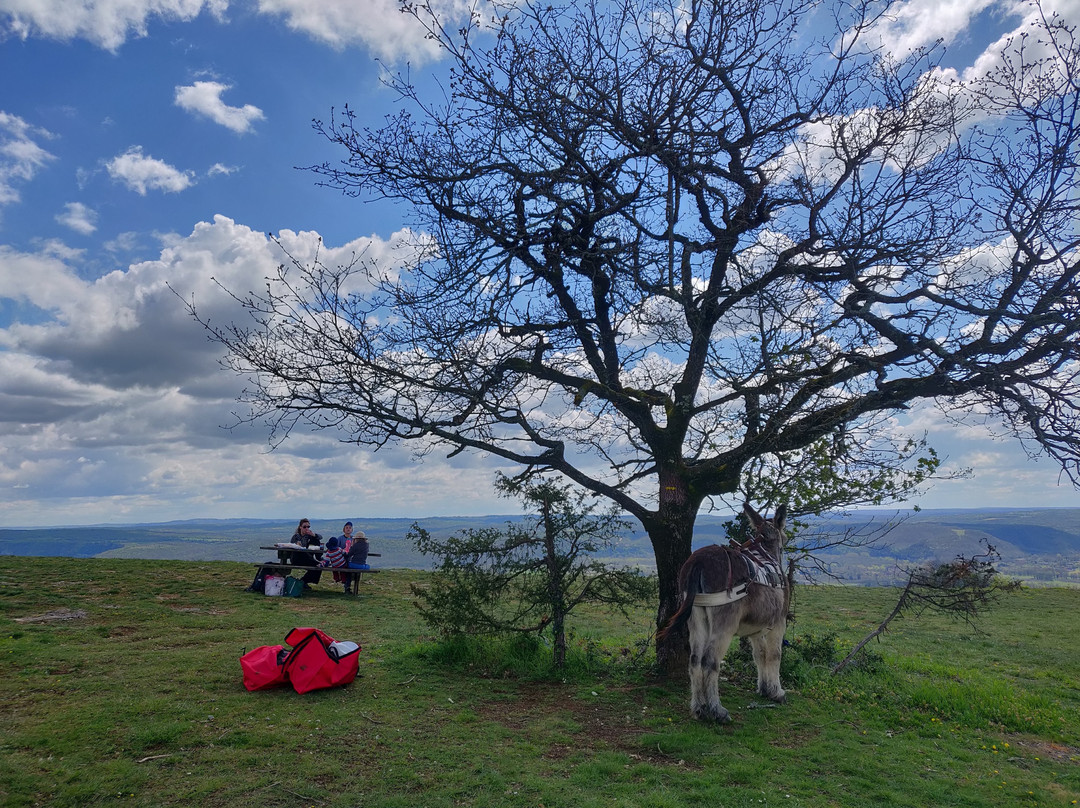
306	537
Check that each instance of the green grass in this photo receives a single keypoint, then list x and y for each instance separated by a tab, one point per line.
141	703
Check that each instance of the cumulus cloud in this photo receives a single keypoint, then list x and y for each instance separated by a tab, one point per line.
78	217
204	98
21	156
114	372
919	23
141	173
915	24
376	24
124	242
129	329
41	279
106	23
1001	469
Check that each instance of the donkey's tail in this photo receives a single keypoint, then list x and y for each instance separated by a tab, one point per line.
682	616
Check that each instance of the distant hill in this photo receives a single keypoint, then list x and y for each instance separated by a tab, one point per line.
1038	545
221	539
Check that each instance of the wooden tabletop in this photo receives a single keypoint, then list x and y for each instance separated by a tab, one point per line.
304	550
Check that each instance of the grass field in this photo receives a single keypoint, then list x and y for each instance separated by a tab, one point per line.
120	685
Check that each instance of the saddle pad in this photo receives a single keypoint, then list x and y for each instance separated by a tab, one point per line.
764	568
765	571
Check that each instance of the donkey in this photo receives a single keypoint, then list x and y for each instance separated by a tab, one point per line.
729	592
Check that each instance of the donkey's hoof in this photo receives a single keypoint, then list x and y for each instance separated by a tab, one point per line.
718	715
773	694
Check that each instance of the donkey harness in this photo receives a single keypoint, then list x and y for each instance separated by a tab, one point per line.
761	568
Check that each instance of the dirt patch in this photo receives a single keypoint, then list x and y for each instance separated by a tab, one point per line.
1048	750
55	614
602	724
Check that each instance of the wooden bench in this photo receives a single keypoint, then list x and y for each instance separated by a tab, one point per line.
353	576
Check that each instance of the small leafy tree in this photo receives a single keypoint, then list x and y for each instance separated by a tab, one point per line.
530	575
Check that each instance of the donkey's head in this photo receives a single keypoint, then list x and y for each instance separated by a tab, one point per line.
769	532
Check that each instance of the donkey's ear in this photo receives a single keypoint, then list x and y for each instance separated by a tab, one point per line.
780	517
752	515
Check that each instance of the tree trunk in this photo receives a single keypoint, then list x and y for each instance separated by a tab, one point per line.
672	535
558	627
555	587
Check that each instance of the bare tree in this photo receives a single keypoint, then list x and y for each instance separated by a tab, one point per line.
962	588
658	242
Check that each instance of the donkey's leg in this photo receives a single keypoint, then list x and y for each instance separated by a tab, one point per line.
709	641
767	649
700	657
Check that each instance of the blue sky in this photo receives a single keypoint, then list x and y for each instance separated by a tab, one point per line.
157	142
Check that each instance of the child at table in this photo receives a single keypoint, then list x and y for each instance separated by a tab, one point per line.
334	555
358	551
336	559
344	543
346	540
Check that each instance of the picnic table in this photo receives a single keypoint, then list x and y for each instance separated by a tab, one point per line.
286	552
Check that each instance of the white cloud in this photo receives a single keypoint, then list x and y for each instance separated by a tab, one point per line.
78	217
141	173
129	328
124	242
1002	472
204	98
997	26
219	168
113	400
42	279
106	23
20	155
919	23
378	24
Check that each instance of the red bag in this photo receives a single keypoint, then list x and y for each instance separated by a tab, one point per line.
264	667
316	661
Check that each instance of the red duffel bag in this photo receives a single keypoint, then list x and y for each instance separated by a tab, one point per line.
317	661
264	667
